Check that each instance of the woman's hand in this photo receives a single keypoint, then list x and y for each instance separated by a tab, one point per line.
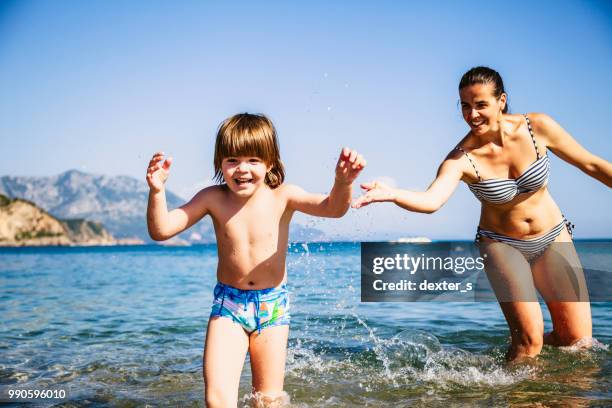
374	192
158	171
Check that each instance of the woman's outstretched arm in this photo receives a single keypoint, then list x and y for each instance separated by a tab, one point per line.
449	174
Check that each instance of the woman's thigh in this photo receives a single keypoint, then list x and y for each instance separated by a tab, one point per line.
508	272
512	281
559	277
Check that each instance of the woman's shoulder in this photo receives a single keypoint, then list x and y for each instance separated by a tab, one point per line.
541	124
538	120
456	156
458	160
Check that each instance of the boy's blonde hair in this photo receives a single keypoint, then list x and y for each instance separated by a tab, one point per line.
247	134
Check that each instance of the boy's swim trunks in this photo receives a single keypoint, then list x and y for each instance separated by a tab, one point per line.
252	309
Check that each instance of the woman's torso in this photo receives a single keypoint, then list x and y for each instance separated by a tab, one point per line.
510	180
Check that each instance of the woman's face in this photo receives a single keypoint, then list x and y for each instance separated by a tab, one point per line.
481	110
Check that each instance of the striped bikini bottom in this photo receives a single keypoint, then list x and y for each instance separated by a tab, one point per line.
530	248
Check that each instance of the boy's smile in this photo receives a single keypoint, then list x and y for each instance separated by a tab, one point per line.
244	174
242	181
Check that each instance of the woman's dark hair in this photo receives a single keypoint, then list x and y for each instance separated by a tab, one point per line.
485	75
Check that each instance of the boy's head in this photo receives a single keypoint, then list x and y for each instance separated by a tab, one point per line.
249	135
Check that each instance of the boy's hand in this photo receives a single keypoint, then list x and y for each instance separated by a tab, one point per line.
350	164
157	172
374	192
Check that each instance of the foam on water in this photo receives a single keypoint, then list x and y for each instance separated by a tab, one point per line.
409	358
585	343
259	400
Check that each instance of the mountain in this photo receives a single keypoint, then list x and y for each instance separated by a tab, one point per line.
24	223
118	202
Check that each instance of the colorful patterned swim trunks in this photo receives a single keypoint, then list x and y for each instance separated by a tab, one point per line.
252	309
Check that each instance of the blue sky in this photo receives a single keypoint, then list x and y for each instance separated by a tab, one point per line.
100	85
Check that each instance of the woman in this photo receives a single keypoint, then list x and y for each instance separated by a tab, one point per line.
504	161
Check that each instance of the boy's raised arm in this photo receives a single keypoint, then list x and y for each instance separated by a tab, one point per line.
336	204
161	223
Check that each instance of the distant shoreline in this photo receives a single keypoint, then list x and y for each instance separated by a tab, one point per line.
151	245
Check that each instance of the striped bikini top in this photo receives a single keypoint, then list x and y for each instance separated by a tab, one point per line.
501	191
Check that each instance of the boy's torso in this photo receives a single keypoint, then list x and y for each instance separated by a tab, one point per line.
252	238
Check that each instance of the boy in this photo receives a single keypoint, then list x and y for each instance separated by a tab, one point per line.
251	209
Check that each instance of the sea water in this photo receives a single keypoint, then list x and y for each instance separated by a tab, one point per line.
125	326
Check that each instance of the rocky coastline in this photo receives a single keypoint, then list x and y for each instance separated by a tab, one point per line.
23	223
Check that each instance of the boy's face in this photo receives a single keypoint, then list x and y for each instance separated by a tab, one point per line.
244	174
